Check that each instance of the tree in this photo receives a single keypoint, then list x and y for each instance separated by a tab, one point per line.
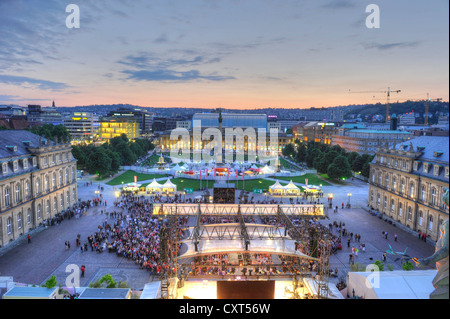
340	168
300	156
312	156
51	282
99	162
366	170
289	150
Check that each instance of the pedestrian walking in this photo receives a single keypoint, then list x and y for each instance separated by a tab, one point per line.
83	269
395	237
29	238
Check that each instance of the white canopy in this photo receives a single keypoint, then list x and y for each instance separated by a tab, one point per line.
169	186
277	185
291	185
154	185
400	284
267	170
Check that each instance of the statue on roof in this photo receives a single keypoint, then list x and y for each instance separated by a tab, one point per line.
440	257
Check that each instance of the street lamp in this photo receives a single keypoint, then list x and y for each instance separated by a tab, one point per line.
349	196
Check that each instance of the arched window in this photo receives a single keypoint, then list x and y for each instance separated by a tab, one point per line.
18	193
386	181
380	179
61	200
420	218
28	216
54	180
402	186
47	206
38	186
7	196
394	184
39	211
61	178
409	213
27	190
46	183
411	190
67	198
67	175
19	221
55	205
392	205
385	202
400	209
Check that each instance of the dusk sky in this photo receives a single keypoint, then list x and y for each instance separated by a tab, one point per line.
222	53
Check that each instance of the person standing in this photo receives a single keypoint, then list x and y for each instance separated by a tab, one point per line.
29	238
83	269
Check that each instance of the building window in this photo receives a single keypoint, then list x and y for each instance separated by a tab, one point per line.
400	209
385	202
378	200
67	198
39	211
55	204
446	172
19	221
387	181
47	184
420	218
28	216
423	193
27	190
394	184
54	181
416	165
47	206
16	165
402	186
34	161
25	163
60	178
436	170
411	190
5	168
425	167
430	222
433	196
7	197
409	213
9	225
38	186
392	205
18	193
67	175
62	201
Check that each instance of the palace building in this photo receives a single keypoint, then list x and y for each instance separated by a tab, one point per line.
37	181
407	183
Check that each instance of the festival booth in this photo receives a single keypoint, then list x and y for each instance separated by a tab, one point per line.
153	187
276	189
169	187
132	187
291	189
312	189
399	284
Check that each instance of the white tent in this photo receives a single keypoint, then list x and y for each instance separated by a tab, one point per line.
400	284
276	189
291	189
153	187
169	187
267	170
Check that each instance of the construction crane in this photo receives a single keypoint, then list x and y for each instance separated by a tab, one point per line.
427	107
388	98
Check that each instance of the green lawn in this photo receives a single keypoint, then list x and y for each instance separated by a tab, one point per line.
128	177
312	180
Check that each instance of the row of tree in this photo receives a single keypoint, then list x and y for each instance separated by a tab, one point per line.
334	161
106	159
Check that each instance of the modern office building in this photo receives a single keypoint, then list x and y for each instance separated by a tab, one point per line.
82	127
407	182
37	181
231	120
142	117
41	116
114	127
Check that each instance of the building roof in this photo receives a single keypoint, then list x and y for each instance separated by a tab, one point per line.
20	139
105	293
30	292
428	145
380	131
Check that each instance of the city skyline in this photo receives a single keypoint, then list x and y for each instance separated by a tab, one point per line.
230	54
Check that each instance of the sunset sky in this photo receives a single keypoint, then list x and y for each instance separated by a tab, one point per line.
222	53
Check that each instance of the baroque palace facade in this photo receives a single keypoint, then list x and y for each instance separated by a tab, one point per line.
408	181
37	181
